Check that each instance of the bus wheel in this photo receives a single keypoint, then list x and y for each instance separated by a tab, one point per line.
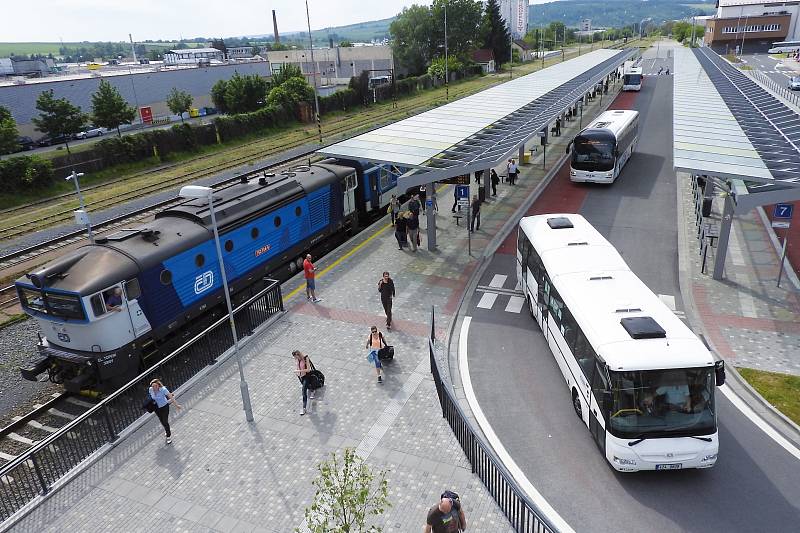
576	404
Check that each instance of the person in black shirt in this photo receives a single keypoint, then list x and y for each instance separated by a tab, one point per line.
495	181
412	224
400	230
445	518
386	289
476	213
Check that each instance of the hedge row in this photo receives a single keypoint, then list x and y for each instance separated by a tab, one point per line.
233	126
19	174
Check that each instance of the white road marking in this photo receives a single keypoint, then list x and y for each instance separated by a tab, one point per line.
515	304
487	300
498	280
463	367
758	421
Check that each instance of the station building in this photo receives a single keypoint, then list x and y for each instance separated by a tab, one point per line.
751	24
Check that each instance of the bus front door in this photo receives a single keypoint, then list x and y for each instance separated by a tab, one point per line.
596	417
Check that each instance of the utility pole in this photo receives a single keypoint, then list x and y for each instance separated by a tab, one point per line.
314	75
133	47
510	41
446	70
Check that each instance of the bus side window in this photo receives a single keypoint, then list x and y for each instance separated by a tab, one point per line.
569	328
556	305
584	354
98	306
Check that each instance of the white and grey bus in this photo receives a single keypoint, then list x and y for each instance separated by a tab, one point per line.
782	47
638	377
600	150
632	79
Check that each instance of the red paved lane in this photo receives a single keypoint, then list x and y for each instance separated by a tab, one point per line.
562	195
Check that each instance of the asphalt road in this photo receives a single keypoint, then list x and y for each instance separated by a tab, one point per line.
770	67
754	485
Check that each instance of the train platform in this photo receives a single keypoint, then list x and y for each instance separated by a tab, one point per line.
223	474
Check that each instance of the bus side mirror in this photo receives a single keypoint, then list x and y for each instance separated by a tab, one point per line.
569	145
719	372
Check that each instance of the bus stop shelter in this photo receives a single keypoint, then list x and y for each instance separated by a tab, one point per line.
478	132
734	133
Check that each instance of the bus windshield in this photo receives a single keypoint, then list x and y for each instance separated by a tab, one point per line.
633	79
662	403
57	305
593	152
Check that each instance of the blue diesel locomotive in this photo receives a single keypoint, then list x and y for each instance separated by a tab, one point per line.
109	310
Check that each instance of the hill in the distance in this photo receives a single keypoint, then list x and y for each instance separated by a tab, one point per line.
615	13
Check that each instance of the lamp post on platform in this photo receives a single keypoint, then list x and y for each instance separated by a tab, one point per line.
207	193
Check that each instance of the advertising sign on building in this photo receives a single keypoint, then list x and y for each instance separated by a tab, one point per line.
147	115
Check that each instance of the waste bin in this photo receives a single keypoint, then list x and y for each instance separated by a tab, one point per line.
194	112
526	158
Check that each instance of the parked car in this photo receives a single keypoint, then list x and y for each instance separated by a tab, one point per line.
88	134
50	141
25	143
794	83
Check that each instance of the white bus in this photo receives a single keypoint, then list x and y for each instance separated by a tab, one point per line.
781	47
600	150
639	378
632	79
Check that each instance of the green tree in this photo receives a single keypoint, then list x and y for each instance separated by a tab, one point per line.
58	117
411	38
109	108
8	132
345	44
348	494
463	27
436	70
218	95
286	72
494	35
179	102
290	93
244	94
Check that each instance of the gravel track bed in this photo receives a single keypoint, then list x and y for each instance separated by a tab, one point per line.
17	348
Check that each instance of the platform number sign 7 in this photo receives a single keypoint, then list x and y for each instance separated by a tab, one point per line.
783	211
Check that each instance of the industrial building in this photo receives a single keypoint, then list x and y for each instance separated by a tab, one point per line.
751	25
335	66
193	56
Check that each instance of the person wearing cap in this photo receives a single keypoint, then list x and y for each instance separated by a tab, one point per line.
163	397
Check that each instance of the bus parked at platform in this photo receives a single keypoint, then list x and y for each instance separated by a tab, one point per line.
639	379
632	79
600	150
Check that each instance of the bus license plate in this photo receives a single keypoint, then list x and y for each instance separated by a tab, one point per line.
673	466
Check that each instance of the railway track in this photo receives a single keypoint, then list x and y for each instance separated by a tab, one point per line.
45	419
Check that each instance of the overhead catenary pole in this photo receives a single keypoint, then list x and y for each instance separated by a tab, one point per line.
446	71
510	42
133	47
74	177
314	75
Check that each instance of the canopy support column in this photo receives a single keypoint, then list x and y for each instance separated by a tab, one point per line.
487	183
431	201
724	235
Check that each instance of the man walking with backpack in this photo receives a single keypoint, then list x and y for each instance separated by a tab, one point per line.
447	516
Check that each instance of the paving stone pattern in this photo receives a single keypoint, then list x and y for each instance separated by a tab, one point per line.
750	321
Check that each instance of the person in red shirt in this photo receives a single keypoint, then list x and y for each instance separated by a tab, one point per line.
309	273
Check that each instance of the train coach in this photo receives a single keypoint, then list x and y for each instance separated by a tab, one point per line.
111	309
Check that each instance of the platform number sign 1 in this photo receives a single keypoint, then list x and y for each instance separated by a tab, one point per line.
782	215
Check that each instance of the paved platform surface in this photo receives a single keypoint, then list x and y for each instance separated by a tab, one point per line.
750	321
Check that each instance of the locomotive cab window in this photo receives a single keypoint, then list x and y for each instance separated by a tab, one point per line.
59	305
108	300
350	182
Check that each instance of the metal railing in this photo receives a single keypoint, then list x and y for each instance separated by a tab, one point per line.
34	472
521	512
781	90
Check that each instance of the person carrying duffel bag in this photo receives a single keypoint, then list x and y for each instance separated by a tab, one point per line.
311	378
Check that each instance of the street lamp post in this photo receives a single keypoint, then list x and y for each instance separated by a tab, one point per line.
196	191
446	70
81	216
314	75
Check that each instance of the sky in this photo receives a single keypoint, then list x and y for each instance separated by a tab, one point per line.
104	20
113	20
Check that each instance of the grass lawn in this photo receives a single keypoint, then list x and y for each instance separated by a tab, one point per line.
780	390
6	49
